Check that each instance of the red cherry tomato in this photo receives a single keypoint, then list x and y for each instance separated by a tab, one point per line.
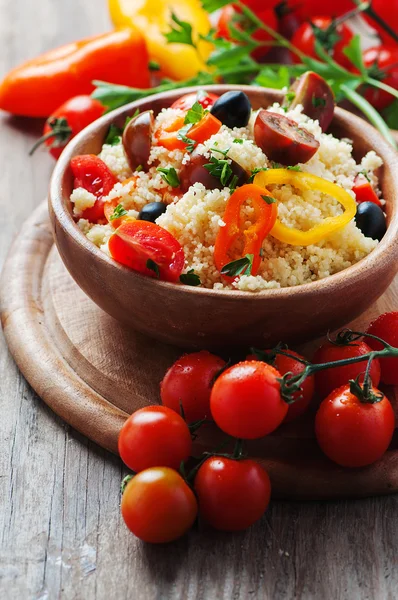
364	190
189	381
388	12
141	245
76	114
158	506
232	494
246	402
304	40
92	174
330	379
306	9
383	60
284	364
154	436
231	15
353	433
206	99
386	328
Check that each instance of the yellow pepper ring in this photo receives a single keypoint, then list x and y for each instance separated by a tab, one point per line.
307	181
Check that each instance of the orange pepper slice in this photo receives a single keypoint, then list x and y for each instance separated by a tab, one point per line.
110	206
199	133
253	236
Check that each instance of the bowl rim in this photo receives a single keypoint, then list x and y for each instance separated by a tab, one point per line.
387	248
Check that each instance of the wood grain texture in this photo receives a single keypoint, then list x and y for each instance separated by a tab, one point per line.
60	531
93	372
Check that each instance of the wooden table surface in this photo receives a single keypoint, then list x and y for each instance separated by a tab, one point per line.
61	533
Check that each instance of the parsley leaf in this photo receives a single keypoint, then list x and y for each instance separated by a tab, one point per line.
182	135
170	176
195	114
353	52
294	168
269	199
114	135
222	170
181	32
241	266
238	141
153	267
255	171
190	278
213	5
118	212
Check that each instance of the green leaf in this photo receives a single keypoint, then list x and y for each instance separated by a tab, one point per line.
276	79
229	56
182	135
118	212
190	278
211	6
238	141
153	267
114	135
195	114
255	171
241	266
269	199
170	176
181	32
391	115
294	168
353	52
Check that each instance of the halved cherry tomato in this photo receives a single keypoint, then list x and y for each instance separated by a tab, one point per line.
304	39
92	174
386	328
110	205
329	379
364	190
254	235
158	506
189	381
383	60
232	15
232	494
141	245
205	99
351	432
200	132
302	399
154	436
246	401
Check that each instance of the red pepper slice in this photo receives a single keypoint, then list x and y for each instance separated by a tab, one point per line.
364	191
92	174
254	235
135	243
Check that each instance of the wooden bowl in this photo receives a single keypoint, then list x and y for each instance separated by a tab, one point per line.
201	318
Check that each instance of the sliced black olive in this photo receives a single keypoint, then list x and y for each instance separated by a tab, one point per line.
370	220
316	97
151	211
195	172
233	109
137	138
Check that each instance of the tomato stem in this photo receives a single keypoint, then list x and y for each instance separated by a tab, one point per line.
124	483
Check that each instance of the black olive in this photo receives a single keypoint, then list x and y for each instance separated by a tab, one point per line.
370	220
233	109
152	211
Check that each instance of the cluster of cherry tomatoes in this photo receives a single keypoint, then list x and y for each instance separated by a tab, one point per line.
304	21
230	492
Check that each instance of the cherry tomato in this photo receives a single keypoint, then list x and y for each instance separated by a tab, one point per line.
92	174
284	364
386	328
306	9
141	245
246	402
158	506
353	433
206	99
189	381
388	12
232	494
383	60
154	436
232	15
330	379
364	190
304	40
75	114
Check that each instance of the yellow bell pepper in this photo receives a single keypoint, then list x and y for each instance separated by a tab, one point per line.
153	18
306	181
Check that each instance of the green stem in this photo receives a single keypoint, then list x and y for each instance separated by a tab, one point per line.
382	86
371	113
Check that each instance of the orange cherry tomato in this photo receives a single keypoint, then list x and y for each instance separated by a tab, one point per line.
149	249
158	506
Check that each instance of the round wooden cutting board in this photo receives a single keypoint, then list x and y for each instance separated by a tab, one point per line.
93	372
